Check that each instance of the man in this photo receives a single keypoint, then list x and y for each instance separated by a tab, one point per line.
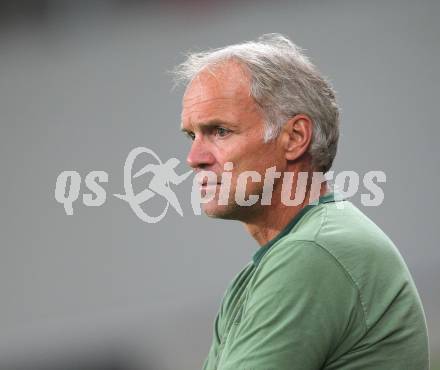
327	289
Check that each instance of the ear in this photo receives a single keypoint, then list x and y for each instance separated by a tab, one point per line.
297	136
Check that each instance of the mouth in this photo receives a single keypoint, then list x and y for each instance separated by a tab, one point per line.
208	184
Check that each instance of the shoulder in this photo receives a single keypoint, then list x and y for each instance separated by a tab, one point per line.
302	279
300	267
347	234
334	241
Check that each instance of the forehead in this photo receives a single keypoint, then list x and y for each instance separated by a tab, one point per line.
220	90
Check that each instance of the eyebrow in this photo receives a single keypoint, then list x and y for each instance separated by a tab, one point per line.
210	124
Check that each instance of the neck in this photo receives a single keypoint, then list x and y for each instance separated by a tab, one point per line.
273	219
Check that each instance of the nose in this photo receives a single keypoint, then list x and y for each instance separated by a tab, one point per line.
199	156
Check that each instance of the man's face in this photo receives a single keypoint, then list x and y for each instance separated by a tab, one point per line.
226	125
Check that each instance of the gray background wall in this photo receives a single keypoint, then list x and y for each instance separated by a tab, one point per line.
83	83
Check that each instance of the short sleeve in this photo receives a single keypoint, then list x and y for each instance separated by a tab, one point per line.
301	311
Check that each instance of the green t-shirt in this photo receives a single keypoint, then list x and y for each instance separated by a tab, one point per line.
330	292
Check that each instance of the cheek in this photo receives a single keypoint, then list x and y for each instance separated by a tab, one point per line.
247	184
247	156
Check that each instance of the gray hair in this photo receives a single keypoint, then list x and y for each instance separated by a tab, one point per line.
284	83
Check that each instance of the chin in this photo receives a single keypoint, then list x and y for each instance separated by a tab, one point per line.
225	212
216	211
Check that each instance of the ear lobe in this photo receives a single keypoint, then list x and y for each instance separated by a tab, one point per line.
298	132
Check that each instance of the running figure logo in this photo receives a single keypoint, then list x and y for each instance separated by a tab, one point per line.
163	174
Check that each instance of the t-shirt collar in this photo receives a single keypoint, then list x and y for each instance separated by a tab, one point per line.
326	198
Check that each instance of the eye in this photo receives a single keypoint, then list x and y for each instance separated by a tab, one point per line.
190	135
221	131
